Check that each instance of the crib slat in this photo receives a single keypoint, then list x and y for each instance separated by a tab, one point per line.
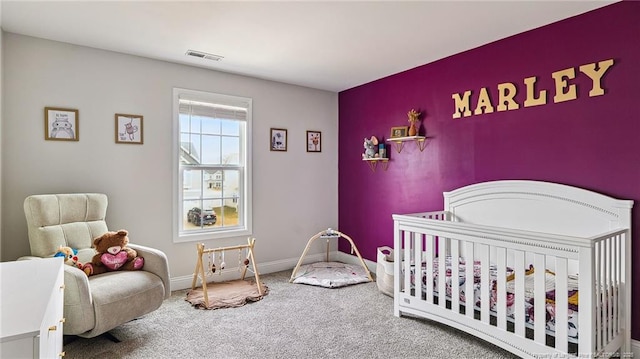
518	303
598	294
562	305
626	277
484	283
430	248
407	262
539	298
501	302
587	278
455	276
616	285
442	272
602	315
468	279
611	283
607	319
417	255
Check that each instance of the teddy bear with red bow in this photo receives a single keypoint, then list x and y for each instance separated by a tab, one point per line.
113	254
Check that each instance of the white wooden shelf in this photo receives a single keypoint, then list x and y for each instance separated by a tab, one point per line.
398	142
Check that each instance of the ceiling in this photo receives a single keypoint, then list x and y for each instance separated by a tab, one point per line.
328	45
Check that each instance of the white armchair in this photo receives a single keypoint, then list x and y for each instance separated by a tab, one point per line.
96	304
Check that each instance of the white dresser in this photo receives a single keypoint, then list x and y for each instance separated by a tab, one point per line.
31	308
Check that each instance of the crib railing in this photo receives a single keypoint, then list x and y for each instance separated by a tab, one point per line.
599	263
612	299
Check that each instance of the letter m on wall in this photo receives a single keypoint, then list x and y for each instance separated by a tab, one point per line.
461	104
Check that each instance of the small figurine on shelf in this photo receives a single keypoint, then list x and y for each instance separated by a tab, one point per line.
370	146
413	120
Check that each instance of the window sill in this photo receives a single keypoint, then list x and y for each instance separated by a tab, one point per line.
206	235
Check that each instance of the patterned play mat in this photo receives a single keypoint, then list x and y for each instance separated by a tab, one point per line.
331	274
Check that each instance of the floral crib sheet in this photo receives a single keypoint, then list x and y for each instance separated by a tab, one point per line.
529	298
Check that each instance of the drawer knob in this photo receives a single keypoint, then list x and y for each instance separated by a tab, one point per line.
63	320
53	328
62	354
62	286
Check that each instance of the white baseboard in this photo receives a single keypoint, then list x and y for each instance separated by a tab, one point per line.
351	259
184	282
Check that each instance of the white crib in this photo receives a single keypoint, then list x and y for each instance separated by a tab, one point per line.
581	238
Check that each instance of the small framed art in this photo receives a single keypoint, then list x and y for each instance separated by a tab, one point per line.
278	139
129	129
314	141
400	131
61	124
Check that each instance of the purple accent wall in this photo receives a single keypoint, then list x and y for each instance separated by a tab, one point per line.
590	142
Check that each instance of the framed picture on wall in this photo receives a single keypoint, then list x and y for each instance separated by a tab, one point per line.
314	141
400	131
61	124
278	139
129	129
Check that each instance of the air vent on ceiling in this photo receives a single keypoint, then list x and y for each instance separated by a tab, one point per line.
204	55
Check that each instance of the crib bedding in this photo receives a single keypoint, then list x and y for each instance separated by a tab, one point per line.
510	288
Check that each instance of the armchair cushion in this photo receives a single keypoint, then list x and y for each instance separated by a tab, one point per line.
119	297
71	220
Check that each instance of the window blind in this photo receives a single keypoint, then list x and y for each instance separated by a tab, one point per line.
213	110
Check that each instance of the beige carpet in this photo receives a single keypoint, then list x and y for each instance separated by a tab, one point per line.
230	294
293	321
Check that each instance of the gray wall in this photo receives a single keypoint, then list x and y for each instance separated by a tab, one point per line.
294	192
1	100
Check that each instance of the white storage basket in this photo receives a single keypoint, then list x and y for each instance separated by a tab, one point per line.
384	270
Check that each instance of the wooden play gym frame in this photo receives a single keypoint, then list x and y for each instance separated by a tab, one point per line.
329	234
200	272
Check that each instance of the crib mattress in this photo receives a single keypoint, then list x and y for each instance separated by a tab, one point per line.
529	298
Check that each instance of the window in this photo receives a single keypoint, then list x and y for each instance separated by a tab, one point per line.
212	165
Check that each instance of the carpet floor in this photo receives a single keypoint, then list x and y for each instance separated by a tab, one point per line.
293	321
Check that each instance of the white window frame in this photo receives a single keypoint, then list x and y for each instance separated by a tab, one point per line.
245	228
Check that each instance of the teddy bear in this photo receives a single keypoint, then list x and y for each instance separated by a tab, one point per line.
113	254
